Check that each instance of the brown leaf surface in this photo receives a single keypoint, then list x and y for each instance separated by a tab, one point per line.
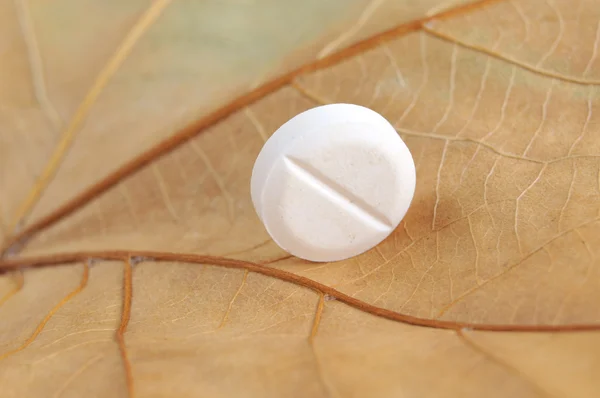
111	89
497	103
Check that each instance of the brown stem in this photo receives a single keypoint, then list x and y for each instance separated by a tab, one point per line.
125	315
124	255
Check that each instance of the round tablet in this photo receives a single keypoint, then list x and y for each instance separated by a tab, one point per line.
333	182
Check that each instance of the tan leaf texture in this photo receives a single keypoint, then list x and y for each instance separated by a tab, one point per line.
134	265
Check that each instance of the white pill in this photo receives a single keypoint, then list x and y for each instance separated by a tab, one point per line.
333	182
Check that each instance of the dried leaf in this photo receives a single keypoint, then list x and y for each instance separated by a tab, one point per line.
497	104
